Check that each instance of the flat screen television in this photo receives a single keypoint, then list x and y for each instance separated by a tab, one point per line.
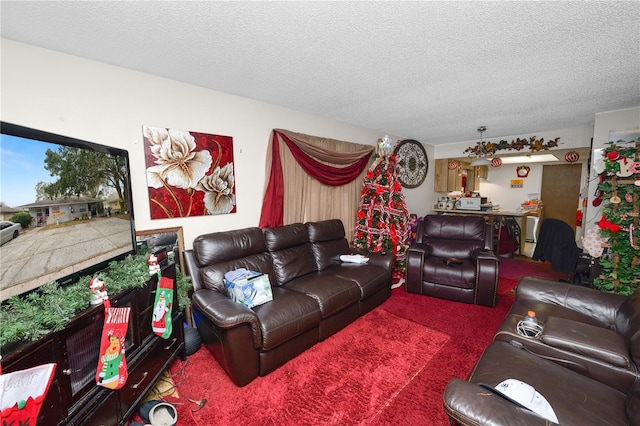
78	196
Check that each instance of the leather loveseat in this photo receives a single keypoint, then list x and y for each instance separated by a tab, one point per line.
314	293
584	361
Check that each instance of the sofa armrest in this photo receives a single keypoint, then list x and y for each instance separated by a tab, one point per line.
191	269
483	254
594	303
225	313
587	340
385	260
470	404
415	259
486	277
424	249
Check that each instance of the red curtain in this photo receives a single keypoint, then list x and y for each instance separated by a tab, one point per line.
273	203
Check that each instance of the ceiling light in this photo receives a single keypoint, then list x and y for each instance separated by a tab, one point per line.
526	159
480	151
480	161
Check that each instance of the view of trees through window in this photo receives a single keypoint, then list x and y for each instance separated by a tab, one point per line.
83	173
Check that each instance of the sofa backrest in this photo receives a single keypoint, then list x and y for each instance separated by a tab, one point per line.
220	252
628	324
290	252
328	242
454	236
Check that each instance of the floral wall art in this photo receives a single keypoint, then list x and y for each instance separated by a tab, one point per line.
188	173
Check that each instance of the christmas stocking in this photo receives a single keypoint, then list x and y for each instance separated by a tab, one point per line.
22	394
161	321
112	366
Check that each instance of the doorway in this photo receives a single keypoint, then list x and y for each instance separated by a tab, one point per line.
560	192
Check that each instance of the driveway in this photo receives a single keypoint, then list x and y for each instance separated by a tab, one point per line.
40	255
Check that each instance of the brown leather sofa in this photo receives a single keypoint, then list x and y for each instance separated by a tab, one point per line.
452	259
584	361
314	293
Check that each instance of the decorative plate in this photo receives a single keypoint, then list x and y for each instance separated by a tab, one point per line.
413	162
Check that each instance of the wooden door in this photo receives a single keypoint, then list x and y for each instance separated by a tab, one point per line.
560	192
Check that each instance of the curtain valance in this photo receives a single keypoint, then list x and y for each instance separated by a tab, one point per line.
309	157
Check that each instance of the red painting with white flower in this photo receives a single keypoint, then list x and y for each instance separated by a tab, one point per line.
188	173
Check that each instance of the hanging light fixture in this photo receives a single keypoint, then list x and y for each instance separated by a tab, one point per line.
481	151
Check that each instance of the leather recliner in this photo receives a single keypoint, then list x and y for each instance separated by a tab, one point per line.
592	332
575	399
452	259
583	362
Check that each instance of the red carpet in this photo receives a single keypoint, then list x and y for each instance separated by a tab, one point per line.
470	328
511	270
350	378
388	368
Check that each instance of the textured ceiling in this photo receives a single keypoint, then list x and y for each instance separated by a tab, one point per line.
432	71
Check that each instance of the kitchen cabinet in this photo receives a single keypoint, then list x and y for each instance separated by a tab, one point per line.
447	180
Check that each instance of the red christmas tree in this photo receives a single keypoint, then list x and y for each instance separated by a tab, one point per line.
383	220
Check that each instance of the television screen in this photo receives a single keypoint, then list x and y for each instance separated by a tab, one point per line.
72	200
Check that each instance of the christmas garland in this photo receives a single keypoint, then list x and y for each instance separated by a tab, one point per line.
26	318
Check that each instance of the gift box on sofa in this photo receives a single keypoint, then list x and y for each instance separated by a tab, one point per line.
249	288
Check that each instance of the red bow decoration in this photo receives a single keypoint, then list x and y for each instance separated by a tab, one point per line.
605	224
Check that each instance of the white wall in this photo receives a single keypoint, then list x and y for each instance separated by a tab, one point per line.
109	105
497	186
605	123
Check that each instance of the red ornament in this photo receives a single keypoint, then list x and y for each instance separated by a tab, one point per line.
613	156
453	165
496	162
604	223
571	157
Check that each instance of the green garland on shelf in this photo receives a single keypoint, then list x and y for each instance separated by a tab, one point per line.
26	318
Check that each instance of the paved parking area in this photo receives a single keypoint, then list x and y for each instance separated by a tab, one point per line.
41	255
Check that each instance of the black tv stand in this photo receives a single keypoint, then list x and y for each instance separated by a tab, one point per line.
74	398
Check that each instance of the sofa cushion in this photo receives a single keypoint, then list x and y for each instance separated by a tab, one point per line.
290	252
587	340
370	278
222	246
544	310
457	236
325	230
332	293
327	253
456	275
212	276
288	315
575	399
282	237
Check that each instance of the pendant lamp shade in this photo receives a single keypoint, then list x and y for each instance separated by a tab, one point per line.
480	161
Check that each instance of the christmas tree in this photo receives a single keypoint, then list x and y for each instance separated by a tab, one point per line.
619	187
383	221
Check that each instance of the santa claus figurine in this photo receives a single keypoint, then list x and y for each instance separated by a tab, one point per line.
98	293
153	264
